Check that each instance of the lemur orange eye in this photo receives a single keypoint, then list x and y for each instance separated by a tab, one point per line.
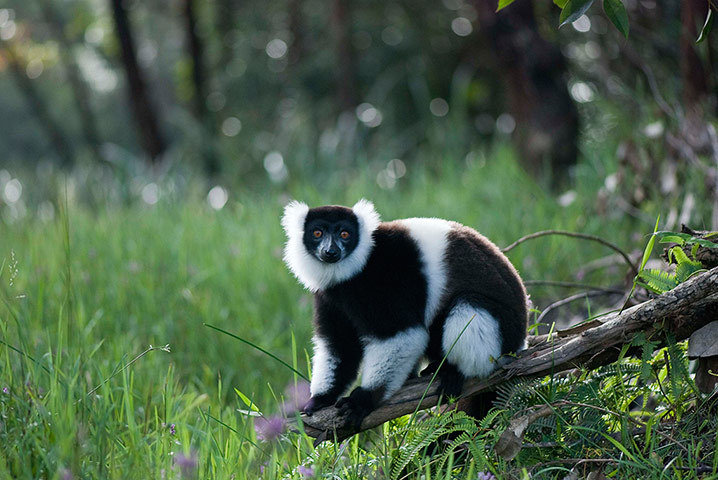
317	233
344	234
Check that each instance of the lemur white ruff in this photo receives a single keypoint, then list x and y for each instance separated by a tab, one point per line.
388	294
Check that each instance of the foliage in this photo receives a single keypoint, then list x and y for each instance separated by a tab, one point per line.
86	292
659	281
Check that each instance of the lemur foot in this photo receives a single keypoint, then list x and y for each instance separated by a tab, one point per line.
356	406
317	403
451	381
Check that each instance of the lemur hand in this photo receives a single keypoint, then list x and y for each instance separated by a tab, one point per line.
317	403
356	406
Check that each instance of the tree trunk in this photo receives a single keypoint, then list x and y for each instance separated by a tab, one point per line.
693	74
346	69
52	129
225	22
534	72
81	92
296	50
201	113
680	312
147	125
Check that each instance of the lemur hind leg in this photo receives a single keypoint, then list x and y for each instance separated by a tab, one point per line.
471	339
386	365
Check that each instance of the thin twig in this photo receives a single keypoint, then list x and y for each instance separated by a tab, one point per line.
575	297
634	57
584	236
586	286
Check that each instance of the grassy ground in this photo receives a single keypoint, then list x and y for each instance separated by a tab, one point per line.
88	293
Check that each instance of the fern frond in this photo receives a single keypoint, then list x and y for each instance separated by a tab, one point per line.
658	281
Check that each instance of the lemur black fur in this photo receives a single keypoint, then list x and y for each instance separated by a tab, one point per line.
389	294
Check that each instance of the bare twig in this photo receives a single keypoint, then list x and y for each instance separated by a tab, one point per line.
585	286
635	58
584	236
575	297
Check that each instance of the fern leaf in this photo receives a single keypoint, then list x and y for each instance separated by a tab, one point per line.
658	281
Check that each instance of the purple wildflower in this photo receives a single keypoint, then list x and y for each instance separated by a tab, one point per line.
173	431
269	428
306	472
5	390
297	395
66	474
486	476
186	463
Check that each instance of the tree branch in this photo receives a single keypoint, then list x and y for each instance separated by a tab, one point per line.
681	311
584	236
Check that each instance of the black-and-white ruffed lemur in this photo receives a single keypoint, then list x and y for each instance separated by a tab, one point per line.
387	294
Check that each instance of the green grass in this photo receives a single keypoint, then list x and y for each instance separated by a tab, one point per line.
87	292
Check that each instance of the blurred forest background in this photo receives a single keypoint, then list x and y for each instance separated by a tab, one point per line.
250	93
147	149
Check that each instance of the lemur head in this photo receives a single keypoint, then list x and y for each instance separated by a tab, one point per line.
327	245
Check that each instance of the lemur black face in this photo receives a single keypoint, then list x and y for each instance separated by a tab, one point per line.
331	233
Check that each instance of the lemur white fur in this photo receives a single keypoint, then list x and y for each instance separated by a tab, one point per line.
314	274
388	362
430	236
323	366
472	340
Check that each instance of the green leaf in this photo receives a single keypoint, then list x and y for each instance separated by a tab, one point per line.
616	12
250	404
707	26
503	4
649	247
573	10
560	3
681	256
672	239
687	238
685	267
257	347
658	281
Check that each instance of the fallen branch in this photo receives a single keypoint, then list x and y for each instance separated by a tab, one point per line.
681	311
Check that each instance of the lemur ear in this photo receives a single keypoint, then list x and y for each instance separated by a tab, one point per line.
367	215
293	219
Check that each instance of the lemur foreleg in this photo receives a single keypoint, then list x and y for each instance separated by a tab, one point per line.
386	364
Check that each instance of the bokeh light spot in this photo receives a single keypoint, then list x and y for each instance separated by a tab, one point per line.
217	197
231	126
274	165
276	48
369	115
439	107
505	123
582	24
12	191
461	26
150	193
